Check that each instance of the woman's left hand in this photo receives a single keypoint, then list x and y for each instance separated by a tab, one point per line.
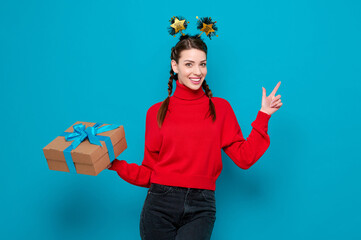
271	103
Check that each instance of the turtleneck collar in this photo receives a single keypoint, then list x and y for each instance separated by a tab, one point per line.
184	92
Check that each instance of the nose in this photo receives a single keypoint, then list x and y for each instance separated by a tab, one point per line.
197	71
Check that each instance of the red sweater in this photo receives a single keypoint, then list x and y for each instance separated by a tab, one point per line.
186	150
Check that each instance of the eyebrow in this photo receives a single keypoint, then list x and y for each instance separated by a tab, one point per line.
193	61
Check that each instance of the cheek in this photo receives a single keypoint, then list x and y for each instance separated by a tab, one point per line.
204	71
187	71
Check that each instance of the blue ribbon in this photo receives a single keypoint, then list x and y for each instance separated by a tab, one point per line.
81	133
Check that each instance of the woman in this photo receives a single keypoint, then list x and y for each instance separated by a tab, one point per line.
183	140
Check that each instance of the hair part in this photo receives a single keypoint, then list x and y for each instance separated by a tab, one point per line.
186	42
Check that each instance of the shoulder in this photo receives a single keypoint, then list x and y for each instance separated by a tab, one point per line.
153	109
221	102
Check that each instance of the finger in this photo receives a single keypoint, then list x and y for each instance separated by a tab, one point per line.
263	92
276	88
276	97
278	105
275	103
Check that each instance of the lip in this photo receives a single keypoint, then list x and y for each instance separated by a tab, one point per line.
196	83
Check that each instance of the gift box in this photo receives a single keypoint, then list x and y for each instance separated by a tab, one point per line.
85	148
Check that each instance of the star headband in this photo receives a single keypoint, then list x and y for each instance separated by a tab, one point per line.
205	25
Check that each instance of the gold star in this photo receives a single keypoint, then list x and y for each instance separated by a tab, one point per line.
207	28
178	25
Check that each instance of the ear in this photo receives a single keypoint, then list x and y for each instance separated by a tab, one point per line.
174	66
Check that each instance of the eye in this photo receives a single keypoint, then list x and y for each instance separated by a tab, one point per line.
204	64
187	64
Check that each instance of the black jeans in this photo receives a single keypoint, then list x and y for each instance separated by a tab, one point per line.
177	213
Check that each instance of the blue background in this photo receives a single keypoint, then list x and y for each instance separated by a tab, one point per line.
109	61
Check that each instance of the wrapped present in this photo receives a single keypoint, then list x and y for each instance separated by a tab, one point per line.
85	148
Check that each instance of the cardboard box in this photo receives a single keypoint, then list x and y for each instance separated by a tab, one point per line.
88	158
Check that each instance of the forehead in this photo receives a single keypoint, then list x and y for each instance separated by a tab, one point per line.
193	54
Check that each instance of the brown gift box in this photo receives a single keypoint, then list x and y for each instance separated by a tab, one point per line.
88	158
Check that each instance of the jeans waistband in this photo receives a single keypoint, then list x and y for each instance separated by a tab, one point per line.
180	188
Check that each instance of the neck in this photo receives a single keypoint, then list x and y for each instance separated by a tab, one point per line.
186	93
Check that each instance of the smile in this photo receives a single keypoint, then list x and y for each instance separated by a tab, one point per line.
195	81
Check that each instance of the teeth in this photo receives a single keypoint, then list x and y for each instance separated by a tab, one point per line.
195	79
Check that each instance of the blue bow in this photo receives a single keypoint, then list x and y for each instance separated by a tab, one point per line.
81	133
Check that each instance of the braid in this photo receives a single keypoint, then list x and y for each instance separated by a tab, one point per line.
164	107
170	82
174	53
208	91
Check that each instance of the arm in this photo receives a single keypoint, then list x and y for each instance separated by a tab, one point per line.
139	175
245	153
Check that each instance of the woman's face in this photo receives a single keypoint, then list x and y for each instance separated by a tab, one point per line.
192	68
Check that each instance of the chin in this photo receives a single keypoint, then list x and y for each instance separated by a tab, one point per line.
194	86
190	85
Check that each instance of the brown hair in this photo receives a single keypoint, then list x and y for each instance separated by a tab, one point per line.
186	42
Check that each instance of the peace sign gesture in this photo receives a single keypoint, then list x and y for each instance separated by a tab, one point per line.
271	103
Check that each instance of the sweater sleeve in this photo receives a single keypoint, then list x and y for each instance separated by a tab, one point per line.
133	173
244	153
